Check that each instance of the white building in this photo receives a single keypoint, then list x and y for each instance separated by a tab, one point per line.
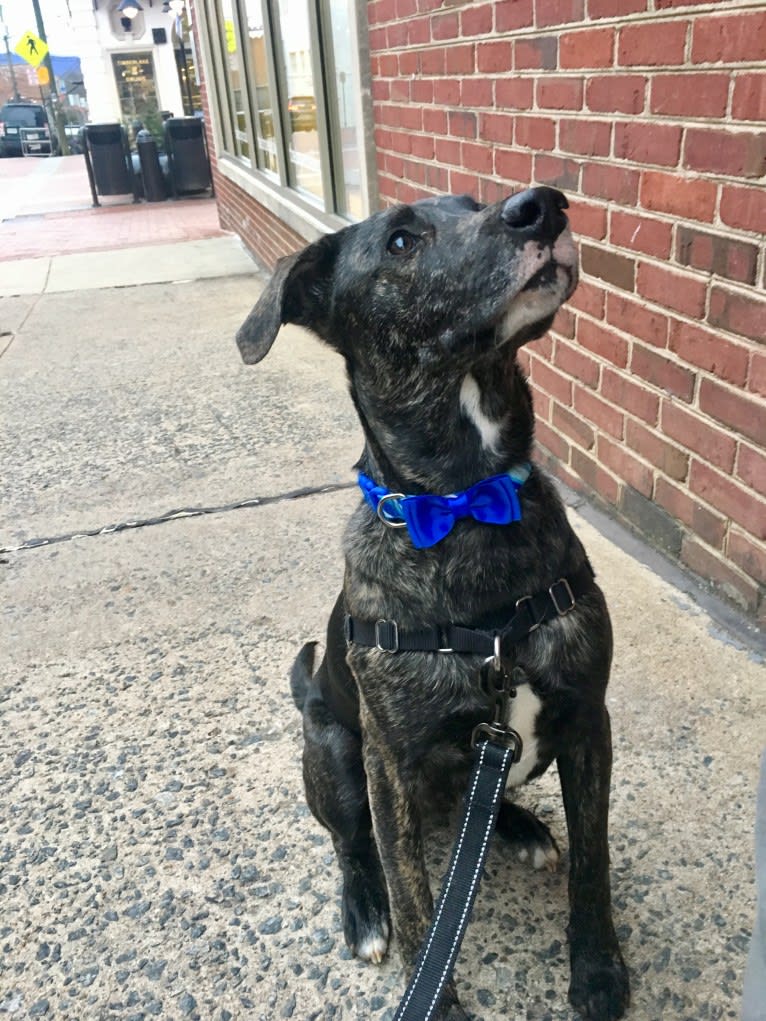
133	67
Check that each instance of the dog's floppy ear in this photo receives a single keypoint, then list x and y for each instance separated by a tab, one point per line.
296	293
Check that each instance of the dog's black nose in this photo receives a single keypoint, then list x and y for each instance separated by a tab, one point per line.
536	213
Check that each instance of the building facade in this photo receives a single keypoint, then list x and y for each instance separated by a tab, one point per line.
289	106
649	114
134	68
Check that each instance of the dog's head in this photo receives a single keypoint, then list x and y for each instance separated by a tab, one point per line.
439	279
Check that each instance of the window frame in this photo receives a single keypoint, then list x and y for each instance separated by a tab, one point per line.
308	216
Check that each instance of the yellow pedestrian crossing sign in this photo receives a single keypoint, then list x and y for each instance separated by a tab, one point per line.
31	48
231	39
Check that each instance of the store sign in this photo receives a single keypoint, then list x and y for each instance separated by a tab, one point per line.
131	70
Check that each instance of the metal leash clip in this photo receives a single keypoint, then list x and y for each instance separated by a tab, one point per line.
496	681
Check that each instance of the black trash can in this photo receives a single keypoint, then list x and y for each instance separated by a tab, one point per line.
151	171
107	160
188	163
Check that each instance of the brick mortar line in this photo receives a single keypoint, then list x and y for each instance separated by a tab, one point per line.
652	388
716	224
701	275
721	553
557	113
664	14
620	162
612	117
667	352
728	523
687	66
614	162
752	346
656	427
708	67
656	471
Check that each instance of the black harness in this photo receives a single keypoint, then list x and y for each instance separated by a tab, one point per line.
528	614
496	746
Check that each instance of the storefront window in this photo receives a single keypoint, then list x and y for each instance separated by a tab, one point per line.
291	98
299	101
183	45
137	91
265	140
340	88
235	80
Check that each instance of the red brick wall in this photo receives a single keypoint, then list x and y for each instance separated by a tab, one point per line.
649	114
267	237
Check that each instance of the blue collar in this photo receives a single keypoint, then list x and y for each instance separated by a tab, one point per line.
429	518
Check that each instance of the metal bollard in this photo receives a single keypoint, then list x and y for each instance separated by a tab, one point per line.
151	172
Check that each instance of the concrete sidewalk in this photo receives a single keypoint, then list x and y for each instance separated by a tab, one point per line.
173	262
157	858
46	217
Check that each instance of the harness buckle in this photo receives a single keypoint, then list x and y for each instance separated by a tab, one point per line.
387	631
526	603
444	640
561	608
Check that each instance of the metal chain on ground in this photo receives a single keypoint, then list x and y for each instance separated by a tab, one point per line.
176	515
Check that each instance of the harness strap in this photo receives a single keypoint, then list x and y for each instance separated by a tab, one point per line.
440	947
530	612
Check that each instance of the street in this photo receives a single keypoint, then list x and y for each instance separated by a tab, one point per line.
157	858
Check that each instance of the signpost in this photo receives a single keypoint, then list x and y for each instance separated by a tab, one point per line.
36	44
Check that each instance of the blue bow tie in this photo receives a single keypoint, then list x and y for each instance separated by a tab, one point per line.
429	518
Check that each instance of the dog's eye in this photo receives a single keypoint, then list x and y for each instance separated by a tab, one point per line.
402	242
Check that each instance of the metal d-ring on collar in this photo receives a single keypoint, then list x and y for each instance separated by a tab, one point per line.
391	522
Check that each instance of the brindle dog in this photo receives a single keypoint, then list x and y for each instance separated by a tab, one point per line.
429	303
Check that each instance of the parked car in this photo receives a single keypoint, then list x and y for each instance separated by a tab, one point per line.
26	130
74	138
303	113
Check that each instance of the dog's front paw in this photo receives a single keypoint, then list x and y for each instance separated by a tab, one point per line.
364	909
530	838
600	988
373	944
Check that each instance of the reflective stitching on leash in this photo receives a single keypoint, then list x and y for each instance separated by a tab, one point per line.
448	881
474	881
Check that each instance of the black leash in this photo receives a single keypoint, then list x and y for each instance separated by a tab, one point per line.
497	747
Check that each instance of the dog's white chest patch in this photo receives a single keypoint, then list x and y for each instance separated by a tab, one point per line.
525	708
470	402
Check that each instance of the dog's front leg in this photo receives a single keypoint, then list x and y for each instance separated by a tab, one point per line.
397	826
599	988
